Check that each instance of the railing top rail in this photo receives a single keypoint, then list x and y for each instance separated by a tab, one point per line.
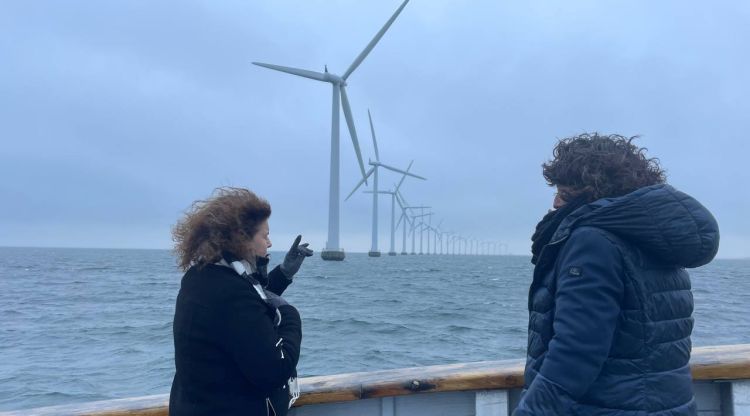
726	362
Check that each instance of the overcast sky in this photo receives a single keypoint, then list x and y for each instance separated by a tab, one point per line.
116	115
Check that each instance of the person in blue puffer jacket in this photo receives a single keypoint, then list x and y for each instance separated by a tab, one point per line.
610	304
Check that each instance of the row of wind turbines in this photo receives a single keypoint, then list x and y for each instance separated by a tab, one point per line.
413	218
340	101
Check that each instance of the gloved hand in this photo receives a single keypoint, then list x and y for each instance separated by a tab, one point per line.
275	300
294	258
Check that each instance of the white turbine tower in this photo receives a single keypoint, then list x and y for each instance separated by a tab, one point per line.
429	230
394	199
333	251
374	252
405	218
411	218
436	233
417	226
422	227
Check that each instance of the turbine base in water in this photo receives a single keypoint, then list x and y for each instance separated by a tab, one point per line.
374	254
332	255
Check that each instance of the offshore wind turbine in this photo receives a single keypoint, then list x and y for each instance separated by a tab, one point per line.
332	250
436	231
374	252
392	251
414	230
405	205
397	197
424	226
429	230
394	199
444	241
404	217
411	218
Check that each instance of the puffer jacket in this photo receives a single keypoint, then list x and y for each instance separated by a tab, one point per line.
610	308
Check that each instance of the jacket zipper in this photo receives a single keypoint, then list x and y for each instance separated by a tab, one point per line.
269	407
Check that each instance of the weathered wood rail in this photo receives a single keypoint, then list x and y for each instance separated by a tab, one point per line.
721	373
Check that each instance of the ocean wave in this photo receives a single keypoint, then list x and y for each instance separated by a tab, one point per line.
107	327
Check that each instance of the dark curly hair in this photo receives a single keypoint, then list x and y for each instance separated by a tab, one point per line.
225	222
601	166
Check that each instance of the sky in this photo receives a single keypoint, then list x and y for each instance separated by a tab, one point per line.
115	116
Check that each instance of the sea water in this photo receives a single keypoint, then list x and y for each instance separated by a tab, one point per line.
93	324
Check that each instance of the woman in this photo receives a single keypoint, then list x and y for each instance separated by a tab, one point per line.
236	340
610	303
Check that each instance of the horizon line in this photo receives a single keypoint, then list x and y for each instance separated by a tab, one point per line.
282	251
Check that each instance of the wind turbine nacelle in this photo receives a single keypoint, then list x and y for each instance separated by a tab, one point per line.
334	79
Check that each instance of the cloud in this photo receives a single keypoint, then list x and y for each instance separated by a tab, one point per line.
117	115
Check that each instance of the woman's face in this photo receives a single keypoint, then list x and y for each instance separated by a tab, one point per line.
260	243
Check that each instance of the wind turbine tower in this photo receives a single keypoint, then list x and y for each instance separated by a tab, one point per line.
394	199
333	250
374	252
406	218
414	229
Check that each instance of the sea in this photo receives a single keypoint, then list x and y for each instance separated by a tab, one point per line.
81	325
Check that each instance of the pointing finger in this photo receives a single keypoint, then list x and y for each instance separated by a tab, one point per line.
296	242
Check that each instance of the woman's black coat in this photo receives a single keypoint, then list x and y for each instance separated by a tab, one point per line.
228	354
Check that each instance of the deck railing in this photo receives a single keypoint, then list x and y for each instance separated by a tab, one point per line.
727	363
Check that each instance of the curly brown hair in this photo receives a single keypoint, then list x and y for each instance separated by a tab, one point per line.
601	166
227	221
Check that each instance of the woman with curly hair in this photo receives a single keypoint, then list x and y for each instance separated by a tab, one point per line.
610	303
237	341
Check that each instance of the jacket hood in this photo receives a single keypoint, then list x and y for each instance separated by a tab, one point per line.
662	221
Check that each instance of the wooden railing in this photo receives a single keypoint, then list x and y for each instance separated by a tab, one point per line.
727	362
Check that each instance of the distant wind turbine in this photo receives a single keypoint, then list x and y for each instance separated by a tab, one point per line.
395	198
411	218
413	223
405	218
374	252
333	251
436	234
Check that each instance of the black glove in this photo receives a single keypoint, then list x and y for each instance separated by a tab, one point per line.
294	258
275	300
261	270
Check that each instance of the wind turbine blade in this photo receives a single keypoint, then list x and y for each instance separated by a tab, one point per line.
400	203
400	171
295	71
374	142
361	181
404	177
399	220
373	42
398	193
352	130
